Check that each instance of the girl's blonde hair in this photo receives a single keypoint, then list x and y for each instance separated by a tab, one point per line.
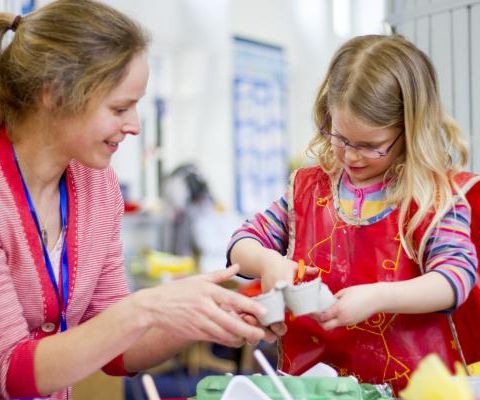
387	82
74	49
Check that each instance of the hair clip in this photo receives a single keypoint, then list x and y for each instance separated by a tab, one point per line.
16	21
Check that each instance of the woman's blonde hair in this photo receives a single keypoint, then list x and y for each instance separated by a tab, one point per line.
387	82
74	49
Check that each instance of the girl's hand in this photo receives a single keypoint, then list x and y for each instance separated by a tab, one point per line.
355	304
276	267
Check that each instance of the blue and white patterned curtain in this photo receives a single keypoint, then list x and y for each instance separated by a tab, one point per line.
260	124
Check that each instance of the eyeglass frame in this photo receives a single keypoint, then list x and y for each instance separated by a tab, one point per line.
358	148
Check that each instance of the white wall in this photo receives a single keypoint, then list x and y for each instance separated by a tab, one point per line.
305	29
190	62
12	6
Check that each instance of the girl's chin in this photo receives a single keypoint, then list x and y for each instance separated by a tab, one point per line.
359	176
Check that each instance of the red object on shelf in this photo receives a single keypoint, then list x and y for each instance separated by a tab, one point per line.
131	207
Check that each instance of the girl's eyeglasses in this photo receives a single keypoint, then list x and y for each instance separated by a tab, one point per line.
364	151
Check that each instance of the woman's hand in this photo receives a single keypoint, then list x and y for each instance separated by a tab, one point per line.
272	332
198	309
355	304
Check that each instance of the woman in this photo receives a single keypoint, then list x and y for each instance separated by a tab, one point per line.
69	83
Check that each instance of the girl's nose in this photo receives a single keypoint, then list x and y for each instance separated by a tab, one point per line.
351	154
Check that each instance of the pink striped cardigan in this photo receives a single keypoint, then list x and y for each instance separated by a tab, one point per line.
27	297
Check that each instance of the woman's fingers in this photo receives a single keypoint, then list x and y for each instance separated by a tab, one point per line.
222	275
278	328
269	337
237	302
230	299
200	309
212	332
215	324
234	325
251	320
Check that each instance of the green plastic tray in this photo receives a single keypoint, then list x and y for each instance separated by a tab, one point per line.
301	388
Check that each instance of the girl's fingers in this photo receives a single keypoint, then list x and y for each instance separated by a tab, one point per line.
311	270
331	324
327	315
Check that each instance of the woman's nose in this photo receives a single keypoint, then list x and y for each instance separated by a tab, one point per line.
132	124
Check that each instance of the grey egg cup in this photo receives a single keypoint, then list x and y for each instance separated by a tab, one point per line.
326	298
275	304
304	298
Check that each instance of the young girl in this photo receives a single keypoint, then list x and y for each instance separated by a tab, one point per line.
69	83
386	219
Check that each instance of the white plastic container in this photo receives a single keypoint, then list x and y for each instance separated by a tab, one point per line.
474	382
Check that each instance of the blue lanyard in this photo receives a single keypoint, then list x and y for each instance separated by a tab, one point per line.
64	258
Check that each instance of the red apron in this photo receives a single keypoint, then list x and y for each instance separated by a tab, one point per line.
386	347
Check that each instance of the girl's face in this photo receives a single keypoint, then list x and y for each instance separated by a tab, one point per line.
348	131
93	137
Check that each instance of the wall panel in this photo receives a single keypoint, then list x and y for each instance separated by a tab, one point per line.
422	27
475	84
461	69
442	56
407	29
448	31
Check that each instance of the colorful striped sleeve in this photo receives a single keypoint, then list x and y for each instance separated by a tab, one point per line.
270	228
450	252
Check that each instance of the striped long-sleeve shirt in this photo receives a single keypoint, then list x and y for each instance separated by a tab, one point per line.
449	250
27	298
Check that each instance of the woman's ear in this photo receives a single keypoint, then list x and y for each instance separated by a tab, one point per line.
47	98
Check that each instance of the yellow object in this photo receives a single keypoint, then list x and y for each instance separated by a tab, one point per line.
433	381
159	263
99	386
474	369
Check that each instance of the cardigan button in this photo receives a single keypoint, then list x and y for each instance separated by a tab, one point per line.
48	327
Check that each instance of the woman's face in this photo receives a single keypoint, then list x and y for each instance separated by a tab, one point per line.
93	137
362	170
